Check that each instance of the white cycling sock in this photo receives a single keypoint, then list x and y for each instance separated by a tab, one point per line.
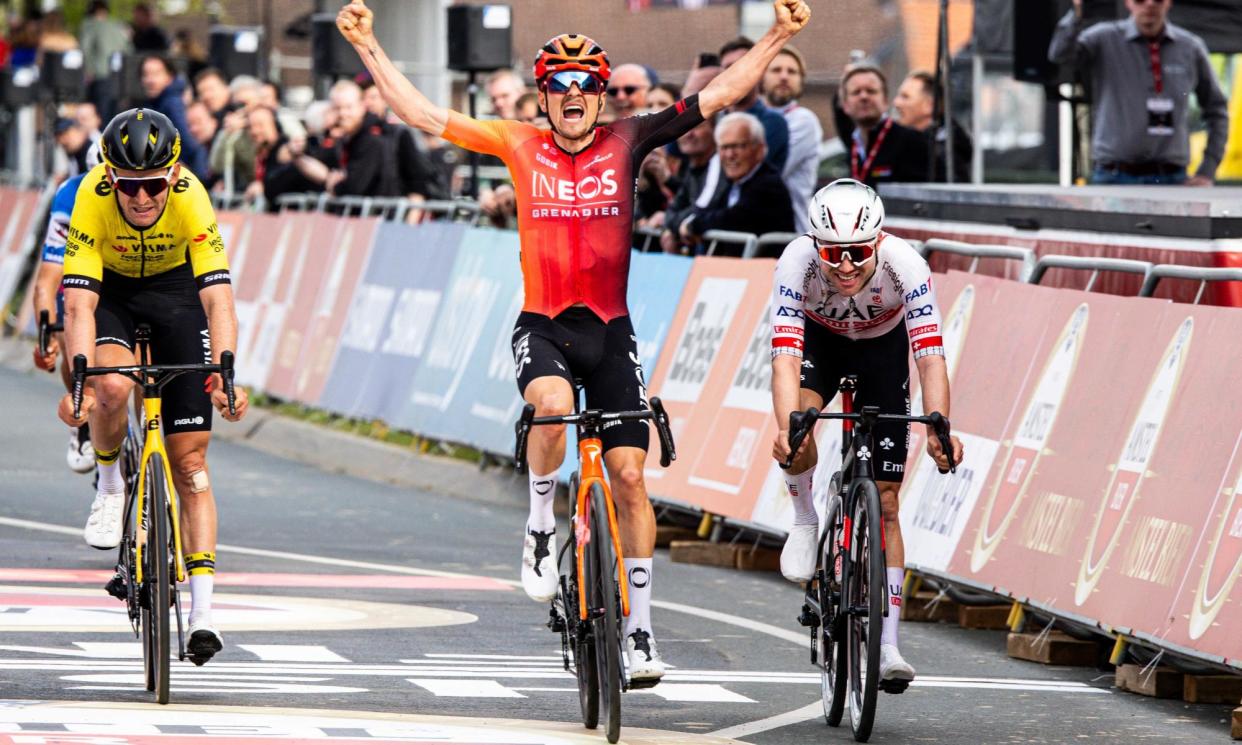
542	490
110	481
638	582
202	570
799	485
896	578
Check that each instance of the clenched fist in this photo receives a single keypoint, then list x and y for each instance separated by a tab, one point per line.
355	22
792	15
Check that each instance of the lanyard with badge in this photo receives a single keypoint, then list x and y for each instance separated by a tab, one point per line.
861	175
1159	105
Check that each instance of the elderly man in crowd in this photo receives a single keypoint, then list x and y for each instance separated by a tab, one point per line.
628	88
775	129
756	200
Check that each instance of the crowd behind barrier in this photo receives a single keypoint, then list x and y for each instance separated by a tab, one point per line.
1103	447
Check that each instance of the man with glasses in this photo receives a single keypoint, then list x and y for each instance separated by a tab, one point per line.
628	89
1142	71
868	298
575	201
143	247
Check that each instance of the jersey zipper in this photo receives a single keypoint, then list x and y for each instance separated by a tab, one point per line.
142	263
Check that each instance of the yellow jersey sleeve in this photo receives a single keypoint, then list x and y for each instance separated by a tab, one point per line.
205	245
87	229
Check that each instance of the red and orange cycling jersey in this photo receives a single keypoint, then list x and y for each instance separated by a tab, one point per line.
575	210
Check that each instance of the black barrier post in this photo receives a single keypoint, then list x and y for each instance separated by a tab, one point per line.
472	91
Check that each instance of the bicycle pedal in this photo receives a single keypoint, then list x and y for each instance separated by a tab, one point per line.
807	617
643	683
116	587
555	622
894	686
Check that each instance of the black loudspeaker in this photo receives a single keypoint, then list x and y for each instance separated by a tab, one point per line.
1033	24
331	55
480	37
19	87
63	76
127	77
237	50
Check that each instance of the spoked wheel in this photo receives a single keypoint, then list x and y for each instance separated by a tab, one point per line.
833	674
607	625
156	559
865	590
581	640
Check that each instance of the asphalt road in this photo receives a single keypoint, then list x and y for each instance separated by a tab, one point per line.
352	609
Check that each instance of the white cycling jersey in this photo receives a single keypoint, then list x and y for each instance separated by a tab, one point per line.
900	289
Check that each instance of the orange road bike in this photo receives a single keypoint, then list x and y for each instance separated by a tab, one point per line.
150	563
593	598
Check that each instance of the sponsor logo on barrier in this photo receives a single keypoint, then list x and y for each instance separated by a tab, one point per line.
954	336
1122	493
1223	564
752	385
711	314
1027	446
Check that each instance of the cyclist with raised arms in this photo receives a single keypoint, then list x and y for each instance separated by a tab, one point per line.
143	247
868	298
575	196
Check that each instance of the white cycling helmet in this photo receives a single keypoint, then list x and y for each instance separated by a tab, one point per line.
846	211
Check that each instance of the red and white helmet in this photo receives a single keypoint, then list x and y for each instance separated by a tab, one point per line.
846	211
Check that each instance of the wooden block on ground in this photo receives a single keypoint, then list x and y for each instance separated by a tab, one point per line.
1237	723
704	552
991	617
1055	648
1212	689
666	534
759	559
1160	682
924	607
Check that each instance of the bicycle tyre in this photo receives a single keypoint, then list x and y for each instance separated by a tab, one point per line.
608	623
582	646
834	668
156	577
867	592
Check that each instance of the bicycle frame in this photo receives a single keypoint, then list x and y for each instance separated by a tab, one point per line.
154	443
591	471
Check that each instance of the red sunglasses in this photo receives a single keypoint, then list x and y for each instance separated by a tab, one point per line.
833	254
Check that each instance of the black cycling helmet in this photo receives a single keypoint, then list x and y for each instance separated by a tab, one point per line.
140	140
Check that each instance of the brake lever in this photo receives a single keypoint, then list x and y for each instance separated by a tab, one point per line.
79	381
45	331
940	425
801	423
668	448
522	430
226	374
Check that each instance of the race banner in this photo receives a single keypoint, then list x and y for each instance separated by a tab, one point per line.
20	212
390	318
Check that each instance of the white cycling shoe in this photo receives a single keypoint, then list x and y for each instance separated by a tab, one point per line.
646	666
103	527
798	555
205	642
81	454
539	577
893	666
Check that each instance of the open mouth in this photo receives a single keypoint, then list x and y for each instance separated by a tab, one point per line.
573	112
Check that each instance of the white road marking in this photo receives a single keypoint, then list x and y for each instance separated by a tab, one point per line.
697	692
292	652
746	729
466	689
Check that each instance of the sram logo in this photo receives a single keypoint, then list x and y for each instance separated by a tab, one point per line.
544	186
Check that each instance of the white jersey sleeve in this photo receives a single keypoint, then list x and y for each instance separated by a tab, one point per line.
923	320
794	270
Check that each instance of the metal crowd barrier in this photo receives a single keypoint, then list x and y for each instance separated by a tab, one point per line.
714	238
986	251
1203	274
780	240
1094	264
645	238
387	208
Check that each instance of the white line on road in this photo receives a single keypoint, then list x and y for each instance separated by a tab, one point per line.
745	729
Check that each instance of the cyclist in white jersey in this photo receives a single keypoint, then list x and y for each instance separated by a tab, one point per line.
868	297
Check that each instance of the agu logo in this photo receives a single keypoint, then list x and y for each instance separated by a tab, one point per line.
188	421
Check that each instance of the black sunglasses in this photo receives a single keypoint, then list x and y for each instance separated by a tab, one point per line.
152	185
628	90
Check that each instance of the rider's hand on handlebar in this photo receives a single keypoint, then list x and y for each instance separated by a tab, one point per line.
937	452
47	362
65	410
780	447
220	400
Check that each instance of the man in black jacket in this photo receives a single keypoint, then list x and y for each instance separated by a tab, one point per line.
368	162
700	172
756	201
880	149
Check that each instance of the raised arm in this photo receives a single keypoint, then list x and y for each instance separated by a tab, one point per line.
415	109
734	83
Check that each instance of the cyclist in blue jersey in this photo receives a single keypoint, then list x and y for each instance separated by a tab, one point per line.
49	296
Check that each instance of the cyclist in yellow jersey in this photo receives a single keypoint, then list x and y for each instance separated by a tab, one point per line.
143	247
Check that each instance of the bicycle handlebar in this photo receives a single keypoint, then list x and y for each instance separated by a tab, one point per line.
595	417
802	424
138	373
46	329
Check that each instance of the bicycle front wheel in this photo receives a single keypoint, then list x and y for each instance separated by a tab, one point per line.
581	640
834	671
155	579
865	590
608	620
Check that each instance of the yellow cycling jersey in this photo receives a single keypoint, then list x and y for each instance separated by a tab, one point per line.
101	239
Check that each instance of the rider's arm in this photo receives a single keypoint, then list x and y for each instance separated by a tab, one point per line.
47	281
406	101
83	273
788	298
80	322
210	265
221	318
742	76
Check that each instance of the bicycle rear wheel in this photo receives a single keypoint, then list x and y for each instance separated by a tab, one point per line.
582	641
834	672
608	622
156	559
865	590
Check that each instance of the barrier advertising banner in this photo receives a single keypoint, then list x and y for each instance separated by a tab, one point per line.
391	317
19	216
